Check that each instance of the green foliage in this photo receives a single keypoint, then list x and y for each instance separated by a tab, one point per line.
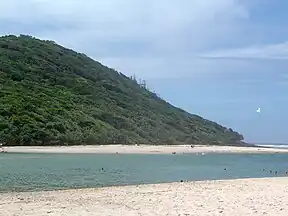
50	95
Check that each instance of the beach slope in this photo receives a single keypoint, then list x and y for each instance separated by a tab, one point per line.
230	197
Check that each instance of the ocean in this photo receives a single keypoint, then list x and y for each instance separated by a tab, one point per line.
279	146
35	172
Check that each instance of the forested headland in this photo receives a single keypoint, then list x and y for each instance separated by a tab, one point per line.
51	95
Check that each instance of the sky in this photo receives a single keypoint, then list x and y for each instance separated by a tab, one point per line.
221	59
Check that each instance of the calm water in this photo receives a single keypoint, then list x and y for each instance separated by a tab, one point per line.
32	172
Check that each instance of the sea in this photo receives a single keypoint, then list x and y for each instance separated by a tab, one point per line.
38	172
279	146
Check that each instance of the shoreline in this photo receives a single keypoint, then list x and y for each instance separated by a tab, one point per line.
260	196
143	149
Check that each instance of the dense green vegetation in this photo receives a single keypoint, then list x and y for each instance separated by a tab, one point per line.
50	95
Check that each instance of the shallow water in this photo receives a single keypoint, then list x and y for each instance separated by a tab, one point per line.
32	172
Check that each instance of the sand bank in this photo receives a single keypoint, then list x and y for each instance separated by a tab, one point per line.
230	197
144	149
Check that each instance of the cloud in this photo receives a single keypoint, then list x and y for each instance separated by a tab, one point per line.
149	38
268	51
157	26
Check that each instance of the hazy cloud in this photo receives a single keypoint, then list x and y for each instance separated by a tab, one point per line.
177	26
150	38
266	51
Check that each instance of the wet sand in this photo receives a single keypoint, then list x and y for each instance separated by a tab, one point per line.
240	197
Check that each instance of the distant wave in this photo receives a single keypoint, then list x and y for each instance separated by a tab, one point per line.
273	146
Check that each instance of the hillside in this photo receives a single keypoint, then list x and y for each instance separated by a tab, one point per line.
50	95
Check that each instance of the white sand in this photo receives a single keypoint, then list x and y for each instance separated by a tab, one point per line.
227	198
144	149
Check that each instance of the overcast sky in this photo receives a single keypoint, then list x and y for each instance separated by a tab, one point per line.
221	59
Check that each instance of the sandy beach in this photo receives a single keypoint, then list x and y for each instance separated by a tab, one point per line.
144	149
229	197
